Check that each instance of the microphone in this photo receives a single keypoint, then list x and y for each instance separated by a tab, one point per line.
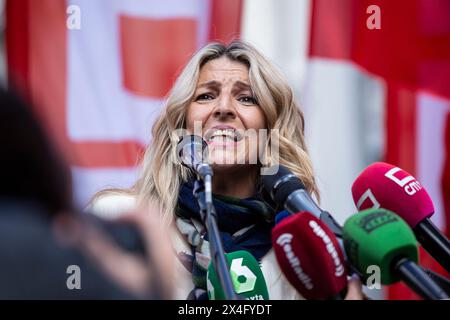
247	277
379	237
192	151
310	257
443	282
288	190
386	186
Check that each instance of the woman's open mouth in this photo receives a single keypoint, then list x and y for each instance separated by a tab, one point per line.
223	136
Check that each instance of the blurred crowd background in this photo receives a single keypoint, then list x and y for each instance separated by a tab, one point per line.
372	76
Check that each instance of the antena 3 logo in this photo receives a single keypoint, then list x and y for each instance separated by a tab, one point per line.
284	241
339	271
373	221
408	183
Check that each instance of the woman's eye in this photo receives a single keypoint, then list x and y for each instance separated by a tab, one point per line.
204	96
247	100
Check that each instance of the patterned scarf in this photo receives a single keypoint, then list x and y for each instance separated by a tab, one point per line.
244	224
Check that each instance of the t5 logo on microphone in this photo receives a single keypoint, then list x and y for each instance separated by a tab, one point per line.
408	183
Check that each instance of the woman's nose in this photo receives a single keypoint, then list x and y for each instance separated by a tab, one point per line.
224	107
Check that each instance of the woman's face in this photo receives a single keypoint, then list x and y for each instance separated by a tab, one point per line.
225	109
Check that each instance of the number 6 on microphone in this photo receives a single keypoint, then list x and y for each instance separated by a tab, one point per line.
246	274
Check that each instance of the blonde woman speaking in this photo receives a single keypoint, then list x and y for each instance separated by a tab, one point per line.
225	92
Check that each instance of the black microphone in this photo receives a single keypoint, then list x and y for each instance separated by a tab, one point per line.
442	281
288	190
192	151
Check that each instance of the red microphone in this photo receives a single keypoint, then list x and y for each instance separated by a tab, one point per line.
382	185
310	257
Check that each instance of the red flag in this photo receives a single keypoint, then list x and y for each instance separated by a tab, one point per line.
98	88
411	54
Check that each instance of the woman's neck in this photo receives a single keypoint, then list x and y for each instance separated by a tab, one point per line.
235	182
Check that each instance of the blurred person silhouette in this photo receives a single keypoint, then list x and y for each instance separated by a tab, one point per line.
44	242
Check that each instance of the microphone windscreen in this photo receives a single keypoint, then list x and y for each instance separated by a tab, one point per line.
309	256
382	185
246	275
281	184
191	150
376	238
270	180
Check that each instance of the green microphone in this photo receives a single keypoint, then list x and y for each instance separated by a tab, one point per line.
379	237
246	275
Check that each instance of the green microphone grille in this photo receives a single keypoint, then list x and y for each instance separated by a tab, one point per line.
378	237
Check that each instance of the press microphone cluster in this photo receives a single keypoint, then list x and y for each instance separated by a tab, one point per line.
397	261
314	252
382	185
372	238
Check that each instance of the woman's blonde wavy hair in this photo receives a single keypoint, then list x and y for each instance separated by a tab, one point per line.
161	174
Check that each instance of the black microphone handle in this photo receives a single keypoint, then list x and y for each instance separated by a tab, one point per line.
300	200
442	281
434	242
417	280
